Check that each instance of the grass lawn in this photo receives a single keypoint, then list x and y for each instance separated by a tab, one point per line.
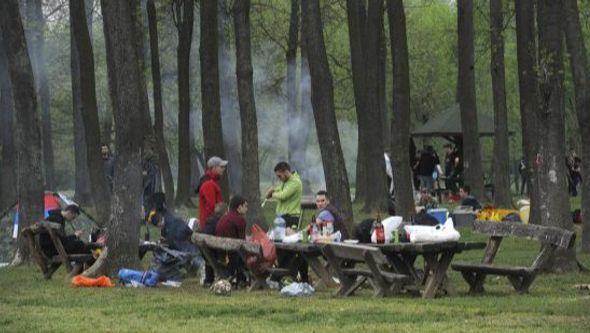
30	304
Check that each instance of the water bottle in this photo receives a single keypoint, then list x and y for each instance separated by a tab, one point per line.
329	228
279	229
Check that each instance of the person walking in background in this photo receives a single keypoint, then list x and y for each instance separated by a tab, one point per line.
209	189
426	167
108	164
573	163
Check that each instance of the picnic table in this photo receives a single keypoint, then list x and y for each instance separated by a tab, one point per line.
311	253
437	258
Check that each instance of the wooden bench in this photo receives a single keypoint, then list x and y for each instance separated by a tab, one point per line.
342	259
520	277
209	245
74	263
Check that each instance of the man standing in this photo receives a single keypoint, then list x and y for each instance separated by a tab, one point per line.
108	164
328	213
209	189
287	194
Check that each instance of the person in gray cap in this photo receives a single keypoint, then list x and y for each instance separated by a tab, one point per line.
209	189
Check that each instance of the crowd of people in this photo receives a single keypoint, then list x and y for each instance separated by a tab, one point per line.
427	170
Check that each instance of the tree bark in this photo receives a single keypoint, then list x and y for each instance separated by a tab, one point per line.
356	14
28	132
322	100
550	164
82	194
579	67
400	120
123	227
526	50
8	189
230	114
35	23
184	13
296	153
473	173
164	160
244	72
212	131
375	165
306	120
98	181
502	195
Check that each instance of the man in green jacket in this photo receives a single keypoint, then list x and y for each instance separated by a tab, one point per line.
287	194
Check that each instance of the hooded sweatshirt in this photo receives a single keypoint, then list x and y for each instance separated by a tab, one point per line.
288	196
209	196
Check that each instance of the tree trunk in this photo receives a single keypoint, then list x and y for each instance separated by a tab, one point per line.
528	90
322	100
184	12
502	195
473	173
98	181
296	153
212	131
356	14
251	183
550	164
123	227
306	120
164	160
82	194
375	165
8	189
579	67
230	114
35	24
28	132
385	119
400	120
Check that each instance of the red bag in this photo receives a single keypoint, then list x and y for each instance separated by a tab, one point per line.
269	251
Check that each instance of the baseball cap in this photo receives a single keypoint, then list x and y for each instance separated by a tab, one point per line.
215	161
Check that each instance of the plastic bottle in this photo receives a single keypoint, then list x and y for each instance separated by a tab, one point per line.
379	233
329	228
279	229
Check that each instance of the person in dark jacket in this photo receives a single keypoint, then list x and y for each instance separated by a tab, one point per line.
467	199
329	213
72	244
233	225
209	229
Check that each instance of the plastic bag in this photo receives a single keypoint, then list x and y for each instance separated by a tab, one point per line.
438	233
149	278
82	281
389	225
297	289
259	264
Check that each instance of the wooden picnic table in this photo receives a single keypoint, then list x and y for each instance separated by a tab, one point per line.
311	253
437	258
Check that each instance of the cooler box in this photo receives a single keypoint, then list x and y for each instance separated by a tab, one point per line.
463	216
440	214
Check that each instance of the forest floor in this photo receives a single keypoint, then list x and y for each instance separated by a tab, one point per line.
28	303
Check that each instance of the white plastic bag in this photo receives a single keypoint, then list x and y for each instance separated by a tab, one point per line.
437	233
297	289
293	238
389	225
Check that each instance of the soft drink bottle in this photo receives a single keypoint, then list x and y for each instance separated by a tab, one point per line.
380	233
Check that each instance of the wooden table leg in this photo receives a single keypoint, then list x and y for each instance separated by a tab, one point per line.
322	271
438	270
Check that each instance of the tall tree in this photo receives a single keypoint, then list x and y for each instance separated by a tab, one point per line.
502	196
230	114
526	51
212	131
8	164
554	200
579	68
305	117
356	15
473	173
28	132
35	23
400	120
158	110
375	167
322	100
83	193
123	227
296	153
100	190
183	13
244	72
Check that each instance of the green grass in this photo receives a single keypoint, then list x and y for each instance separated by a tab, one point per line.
30	304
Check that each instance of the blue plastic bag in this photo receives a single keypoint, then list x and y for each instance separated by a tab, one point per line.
149	278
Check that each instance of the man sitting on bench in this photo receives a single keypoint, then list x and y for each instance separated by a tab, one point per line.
233	225
72	244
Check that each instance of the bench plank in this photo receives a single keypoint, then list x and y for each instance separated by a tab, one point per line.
557	236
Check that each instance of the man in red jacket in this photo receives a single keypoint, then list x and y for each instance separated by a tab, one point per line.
209	190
